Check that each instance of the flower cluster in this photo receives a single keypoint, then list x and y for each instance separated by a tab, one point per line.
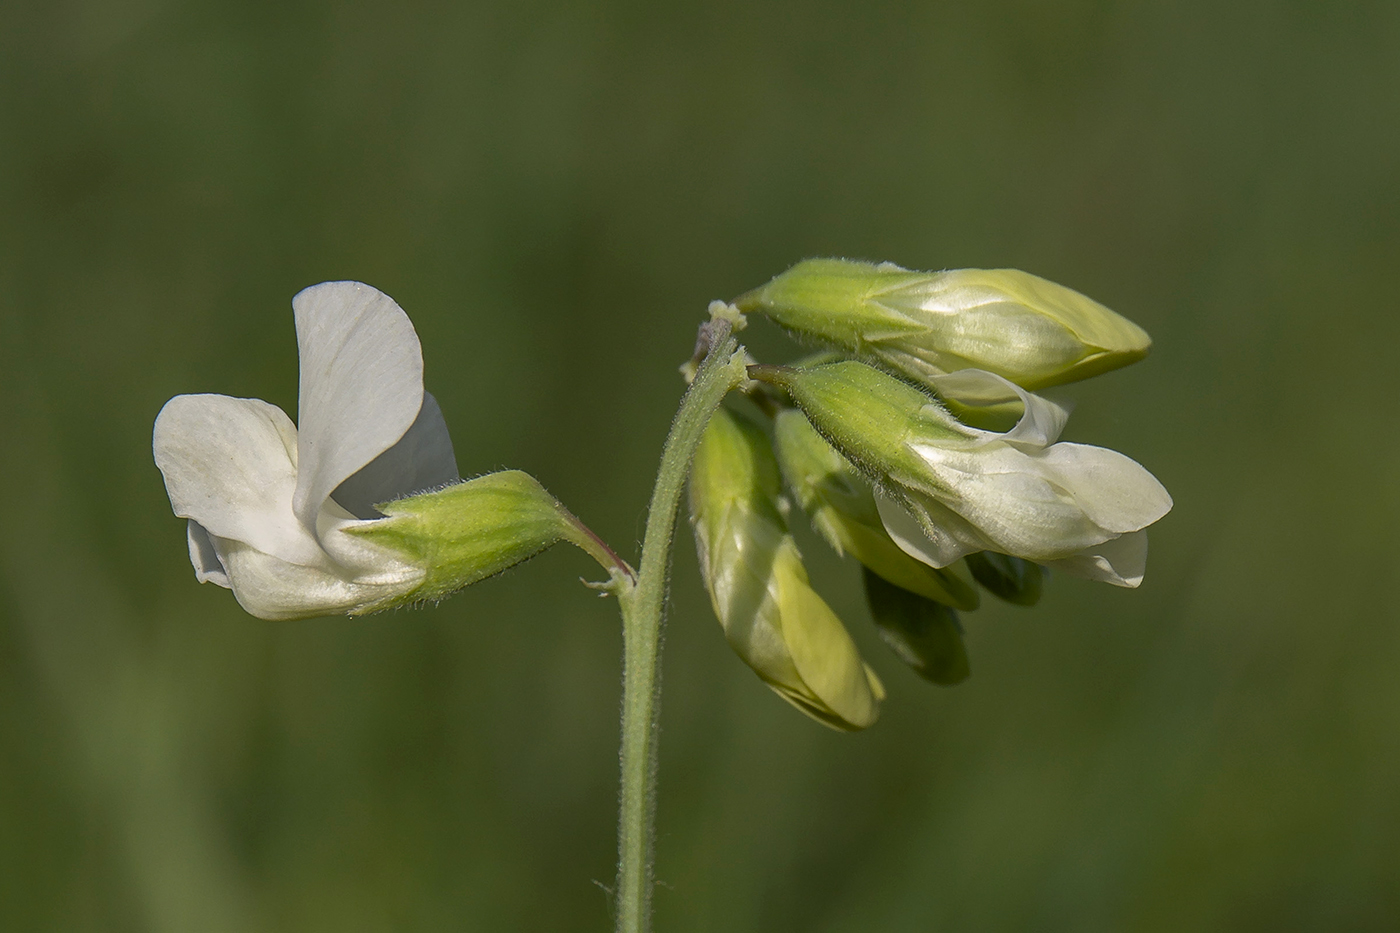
916	447
914	444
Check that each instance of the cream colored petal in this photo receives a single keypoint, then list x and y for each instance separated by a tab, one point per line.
1121	561
207	568
421	460
230	465
1041	420
936	542
1116	492
361	385
274	589
1022	504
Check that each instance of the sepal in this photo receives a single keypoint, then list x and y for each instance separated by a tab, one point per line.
469	531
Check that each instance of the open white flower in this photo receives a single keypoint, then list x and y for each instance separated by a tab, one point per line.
272	508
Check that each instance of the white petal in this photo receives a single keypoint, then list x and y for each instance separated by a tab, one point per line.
361	385
1016	505
1116	492
354	557
1041	420
270	588
422	459
1121	561
936	542
230	465
207	568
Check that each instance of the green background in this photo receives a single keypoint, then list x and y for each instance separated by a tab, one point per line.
554	192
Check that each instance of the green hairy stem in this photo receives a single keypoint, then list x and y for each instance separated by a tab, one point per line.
642	604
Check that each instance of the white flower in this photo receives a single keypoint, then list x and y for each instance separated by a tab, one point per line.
946	489
1075	507
271	508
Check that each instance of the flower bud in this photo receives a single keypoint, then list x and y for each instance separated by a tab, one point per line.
770	614
470	531
946	489
868	415
842	507
925	634
1030	330
1011	578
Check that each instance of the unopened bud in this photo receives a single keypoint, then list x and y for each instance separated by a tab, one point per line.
1011	578
925	634
1030	330
771	616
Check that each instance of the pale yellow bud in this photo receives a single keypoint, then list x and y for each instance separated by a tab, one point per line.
1028	329
771	616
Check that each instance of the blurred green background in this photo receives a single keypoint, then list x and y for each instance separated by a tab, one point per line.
554	192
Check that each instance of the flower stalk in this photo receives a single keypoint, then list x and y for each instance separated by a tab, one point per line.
642	604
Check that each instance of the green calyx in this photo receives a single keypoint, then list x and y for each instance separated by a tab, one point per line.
835	301
842	508
868	415
473	530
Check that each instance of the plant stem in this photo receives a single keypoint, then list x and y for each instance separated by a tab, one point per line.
642	605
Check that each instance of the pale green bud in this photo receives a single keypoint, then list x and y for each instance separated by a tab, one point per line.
925	634
842	507
1011	578
473	530
1030	330
759	589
